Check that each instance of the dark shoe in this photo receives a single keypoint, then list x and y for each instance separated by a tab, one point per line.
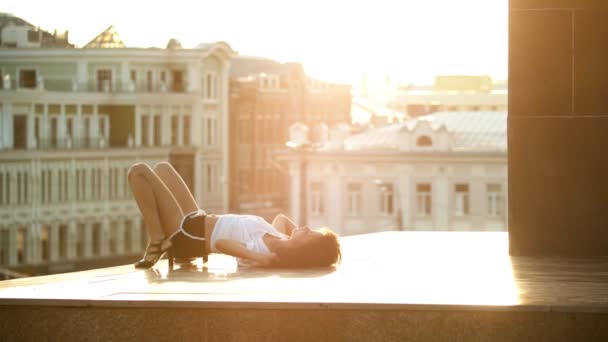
184	260
154	252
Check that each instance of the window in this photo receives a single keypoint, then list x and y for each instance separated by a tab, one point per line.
86	131
104	80
104	128
317	206
112	238
186	129
80	233
60	185
44	242
19	131
157	130
211	131
45	186
38	131
133	79
495	200
53	131
96	239
386	198
27	78
353	199
178	81
461	200
4	188
145	121
21	245
80	185
133	76
149	81
63	241
33	36
4	241
424	141
423	199
211	178
69	129
174	130
128	236
210	87
22	187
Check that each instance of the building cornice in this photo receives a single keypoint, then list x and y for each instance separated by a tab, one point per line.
396	157
114	98
14	155
222	50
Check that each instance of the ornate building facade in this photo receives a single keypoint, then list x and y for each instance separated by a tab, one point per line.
266	98
73	120
446	171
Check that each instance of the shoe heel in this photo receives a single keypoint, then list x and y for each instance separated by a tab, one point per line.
170	257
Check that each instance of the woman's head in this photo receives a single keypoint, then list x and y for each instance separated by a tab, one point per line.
310	248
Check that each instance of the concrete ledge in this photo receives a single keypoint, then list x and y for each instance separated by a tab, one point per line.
18	323
390	286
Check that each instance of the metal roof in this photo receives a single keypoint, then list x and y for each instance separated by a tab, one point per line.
469	131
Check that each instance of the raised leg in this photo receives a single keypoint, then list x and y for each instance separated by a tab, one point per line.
177	186
182	194
160	210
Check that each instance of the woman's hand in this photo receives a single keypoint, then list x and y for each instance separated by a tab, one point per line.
265	260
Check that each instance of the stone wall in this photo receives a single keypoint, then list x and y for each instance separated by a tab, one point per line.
558	127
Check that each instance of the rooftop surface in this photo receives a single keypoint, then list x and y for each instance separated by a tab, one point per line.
404	270
470	131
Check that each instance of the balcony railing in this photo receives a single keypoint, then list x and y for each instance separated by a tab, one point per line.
69	143
74	86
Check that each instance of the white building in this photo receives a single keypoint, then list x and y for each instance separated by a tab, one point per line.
446	171
72	121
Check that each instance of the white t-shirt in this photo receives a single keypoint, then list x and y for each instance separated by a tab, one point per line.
247	229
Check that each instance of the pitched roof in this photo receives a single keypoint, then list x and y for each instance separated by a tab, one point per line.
470	131
109	38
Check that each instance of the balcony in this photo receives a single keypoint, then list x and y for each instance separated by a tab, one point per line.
390	286
72	91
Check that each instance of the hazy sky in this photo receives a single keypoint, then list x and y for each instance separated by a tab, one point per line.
335	39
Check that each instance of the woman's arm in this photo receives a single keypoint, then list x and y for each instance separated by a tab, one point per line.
237	249
283	224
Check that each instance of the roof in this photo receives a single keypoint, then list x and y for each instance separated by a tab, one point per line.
47	39
6	18
469	131
244	66
109	38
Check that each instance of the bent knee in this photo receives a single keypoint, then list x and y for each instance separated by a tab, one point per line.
161	166
138	169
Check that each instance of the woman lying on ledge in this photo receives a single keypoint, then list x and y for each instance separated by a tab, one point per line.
168	209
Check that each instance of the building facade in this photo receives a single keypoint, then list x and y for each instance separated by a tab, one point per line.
446	171
73	120
266	98
452	94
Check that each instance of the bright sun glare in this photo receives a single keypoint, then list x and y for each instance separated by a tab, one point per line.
336	40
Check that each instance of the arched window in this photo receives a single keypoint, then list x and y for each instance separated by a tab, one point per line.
424	141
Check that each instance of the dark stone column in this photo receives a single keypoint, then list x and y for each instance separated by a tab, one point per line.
558	127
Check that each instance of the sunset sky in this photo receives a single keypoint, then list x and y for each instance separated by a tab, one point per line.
336	40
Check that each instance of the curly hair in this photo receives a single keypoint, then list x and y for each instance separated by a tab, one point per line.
323	251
